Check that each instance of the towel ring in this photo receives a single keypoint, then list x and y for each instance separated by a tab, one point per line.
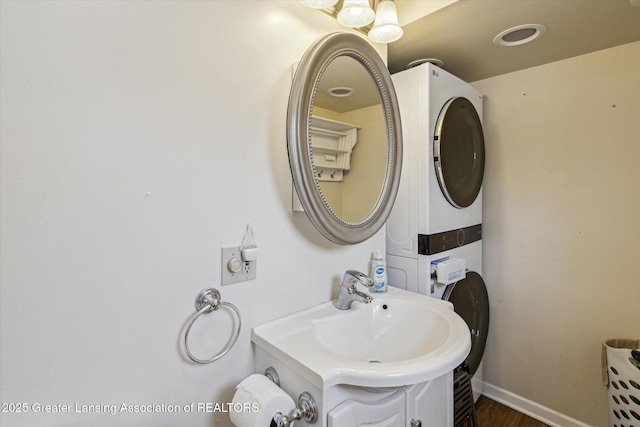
207	301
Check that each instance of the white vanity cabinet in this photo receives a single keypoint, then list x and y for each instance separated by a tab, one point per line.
368	365
388	412
431	402
428	404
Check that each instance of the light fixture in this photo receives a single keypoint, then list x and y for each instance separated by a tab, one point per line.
385	28
435	61
356	13
319	4
359	14
519	35
340	91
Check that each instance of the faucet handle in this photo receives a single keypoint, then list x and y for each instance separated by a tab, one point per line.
360	277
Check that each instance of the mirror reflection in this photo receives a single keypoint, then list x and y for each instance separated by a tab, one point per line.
348	139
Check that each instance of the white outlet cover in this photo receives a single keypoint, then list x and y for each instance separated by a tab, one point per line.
229	277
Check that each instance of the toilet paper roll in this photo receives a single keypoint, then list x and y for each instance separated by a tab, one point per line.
260	399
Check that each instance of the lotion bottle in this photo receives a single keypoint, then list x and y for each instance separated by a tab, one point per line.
378	273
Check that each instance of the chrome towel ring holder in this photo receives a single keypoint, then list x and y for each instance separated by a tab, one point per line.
208	300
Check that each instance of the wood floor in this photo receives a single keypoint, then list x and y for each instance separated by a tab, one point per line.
492	414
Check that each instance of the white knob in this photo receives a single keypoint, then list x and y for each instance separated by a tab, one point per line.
234	265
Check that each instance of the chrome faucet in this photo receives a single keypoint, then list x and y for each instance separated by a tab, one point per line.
348	292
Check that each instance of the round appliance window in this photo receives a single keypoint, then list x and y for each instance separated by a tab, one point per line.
458	150
471	302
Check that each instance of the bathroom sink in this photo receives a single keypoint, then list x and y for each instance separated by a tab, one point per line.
401	338
380	331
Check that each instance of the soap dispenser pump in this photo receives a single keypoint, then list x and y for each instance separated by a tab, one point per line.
378	273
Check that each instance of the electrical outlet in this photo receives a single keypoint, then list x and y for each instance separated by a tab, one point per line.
234	268
247	267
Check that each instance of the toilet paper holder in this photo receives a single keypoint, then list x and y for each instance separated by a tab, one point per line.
207	301
307	408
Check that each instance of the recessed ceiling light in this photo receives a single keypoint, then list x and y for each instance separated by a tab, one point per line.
340	92
434	61
520	35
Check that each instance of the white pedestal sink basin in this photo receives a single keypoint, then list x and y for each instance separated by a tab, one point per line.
399	339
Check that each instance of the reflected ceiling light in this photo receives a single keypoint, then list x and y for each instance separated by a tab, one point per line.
319	4
341	91
385	28
359	14
519	35
356	13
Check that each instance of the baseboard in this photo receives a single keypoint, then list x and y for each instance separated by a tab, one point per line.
532	409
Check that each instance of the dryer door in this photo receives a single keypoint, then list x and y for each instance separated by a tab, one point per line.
471	302
458	152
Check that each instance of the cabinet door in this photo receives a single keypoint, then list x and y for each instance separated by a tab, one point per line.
432	402
389	412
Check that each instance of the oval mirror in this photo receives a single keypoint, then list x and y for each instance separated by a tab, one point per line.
344	138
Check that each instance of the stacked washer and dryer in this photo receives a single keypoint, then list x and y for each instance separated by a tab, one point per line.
434	232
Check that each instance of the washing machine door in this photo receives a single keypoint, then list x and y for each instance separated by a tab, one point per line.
458	151
471	302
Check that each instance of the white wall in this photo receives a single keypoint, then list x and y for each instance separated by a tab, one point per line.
369	155
138	138
561	226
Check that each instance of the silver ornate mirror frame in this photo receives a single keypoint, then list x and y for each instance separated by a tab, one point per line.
303	91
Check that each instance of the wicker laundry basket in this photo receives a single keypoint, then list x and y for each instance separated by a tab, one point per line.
621	375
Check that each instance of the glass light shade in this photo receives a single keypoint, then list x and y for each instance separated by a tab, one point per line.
386	28
319	4
356	14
